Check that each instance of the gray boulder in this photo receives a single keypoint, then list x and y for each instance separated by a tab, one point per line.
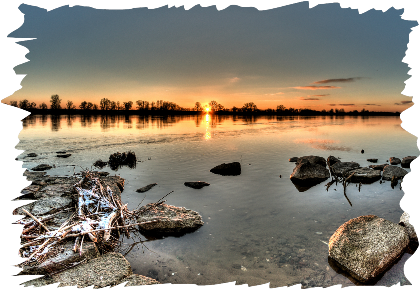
307	174
63	155
145	188
341	169
365	175
378	167
394	161
367	246
372	160
411	232
196	185
41	167
312	160
395	172
332	160
169	219
405	162
229	169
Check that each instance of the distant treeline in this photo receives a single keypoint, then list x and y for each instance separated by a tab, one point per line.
107	106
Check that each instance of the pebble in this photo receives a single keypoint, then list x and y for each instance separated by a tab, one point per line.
319	233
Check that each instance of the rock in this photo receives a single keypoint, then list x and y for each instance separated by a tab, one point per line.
107	270
393	172
411	232
332	160
196	185
394	161
364	175
293	159
341	169
229	169
362	151
100	164
378	167
31	155
117	160
145	188
137	280
42	167
44	206
372	160
61	152
312	160
51	190
33	175
405	162
367	246
63	156
171	219
306	175
66	258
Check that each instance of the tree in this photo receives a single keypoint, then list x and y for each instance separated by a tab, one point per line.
25	104
113	105
55	102
220	107
105	104
43	106
198	107
281	108
70	105
235	109
14	103
142	105
249	106
213	105
93	106
127	105
83	105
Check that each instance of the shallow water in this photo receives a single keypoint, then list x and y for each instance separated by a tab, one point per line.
258	227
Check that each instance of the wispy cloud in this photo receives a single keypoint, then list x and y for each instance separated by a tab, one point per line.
277	93
351	79
308	98
319	95
234	79
332	104
315	87
346	104
404	102
373	104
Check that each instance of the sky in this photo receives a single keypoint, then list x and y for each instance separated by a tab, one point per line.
319	58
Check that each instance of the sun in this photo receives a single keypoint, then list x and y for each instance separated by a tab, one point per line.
207	109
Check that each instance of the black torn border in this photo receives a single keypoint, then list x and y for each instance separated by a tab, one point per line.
13	54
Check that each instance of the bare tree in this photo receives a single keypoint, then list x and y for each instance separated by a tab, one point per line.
249	106
105	104
94	106
55	102
70	105
14	103
43	106
198	107
128	105
113	105
25	104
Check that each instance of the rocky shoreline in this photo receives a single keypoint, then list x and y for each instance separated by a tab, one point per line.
56	202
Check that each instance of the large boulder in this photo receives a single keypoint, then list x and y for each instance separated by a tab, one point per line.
364	175
394	161
405	162
312	160
168	219
367	246
378	167
391	172
341	169
307	174
229	169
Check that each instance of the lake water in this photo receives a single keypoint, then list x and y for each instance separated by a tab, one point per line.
258	227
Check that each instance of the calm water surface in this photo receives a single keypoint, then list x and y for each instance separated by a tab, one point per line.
258	227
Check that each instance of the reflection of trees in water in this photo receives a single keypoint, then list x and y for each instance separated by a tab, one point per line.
128	122
70	119
86	120
44	120
55	122
29	121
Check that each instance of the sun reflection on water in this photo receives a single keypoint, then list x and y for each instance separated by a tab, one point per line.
207	136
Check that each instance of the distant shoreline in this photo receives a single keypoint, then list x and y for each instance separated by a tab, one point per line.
175	112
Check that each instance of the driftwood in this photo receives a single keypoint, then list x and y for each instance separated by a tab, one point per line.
98	214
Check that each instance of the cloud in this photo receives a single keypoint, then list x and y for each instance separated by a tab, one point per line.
372	104
234	80
278	93
346	104
332	104
404	102
351	79
314	87
308	98
319	95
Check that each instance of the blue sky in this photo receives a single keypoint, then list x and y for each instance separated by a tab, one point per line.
321	58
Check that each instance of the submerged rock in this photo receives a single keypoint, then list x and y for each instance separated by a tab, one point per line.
365	175
367	246
31	155
394	161
145	188
293	159
393	172
372	160
332	160
312	160
405	162
229	169
63	156
117	160
170	219
41	167
100	164
411	232
378	167
196	185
